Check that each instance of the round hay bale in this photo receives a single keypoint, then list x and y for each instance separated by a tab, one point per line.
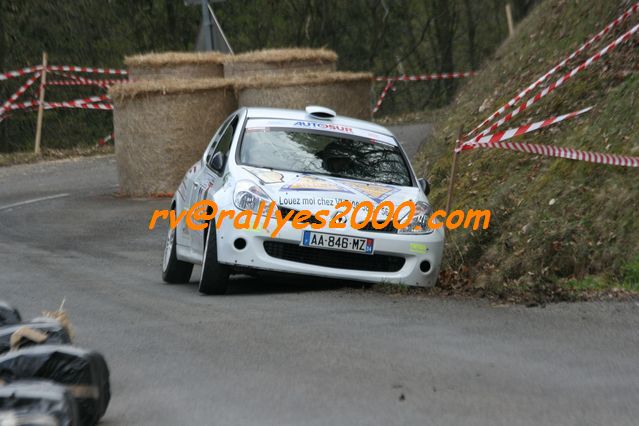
279	61
172	65
346	93
162	128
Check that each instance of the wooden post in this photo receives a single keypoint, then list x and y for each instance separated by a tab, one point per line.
453	173
43	83
509	18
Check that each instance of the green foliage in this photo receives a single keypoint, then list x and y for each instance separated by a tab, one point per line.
82	32
631	274
387	37
596	283
382	36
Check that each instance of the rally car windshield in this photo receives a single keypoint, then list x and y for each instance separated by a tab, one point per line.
332	154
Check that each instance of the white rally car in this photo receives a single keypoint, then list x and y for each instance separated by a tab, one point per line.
303	160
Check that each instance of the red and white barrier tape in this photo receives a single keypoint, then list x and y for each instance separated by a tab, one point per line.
55	105
92	99
71	77
100	83
382	95
76	80
93	102
625	37
105	140
518	131
71	68
427	77
633	9
569	153
18	93
20	73
79	79
421	77
23	105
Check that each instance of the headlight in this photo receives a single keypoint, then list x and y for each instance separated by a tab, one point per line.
248	196
419	224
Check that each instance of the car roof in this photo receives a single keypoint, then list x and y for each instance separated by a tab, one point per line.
293	114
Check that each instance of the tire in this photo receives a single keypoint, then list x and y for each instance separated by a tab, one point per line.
174	271
215	276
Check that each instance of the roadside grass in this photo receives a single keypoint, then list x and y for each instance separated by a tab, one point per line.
628	283
554	221
14	158
631	275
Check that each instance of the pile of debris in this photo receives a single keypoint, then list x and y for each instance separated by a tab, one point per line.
44	380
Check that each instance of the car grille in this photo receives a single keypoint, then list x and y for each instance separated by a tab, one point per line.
368	227
333	258
286	211
388	228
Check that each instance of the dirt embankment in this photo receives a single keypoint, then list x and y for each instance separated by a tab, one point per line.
560	229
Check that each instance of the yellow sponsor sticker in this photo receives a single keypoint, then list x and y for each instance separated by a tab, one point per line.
270	177
312	183
374	191
418	248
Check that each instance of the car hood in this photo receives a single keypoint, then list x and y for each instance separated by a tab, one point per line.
315	192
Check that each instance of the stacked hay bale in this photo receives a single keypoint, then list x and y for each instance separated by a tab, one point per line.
162	127
172	65
274	62
346	93
166	115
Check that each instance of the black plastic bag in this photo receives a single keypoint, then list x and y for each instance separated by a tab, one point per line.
8	314
83	372
55	333
37	403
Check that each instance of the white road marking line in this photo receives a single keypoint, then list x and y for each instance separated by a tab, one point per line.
35	200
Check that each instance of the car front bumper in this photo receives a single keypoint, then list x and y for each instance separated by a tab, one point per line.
284	254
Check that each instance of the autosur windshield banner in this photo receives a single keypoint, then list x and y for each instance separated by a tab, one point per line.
300	125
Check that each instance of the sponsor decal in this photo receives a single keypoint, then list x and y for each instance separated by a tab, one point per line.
226	180
314	183
323	126
287	125
266	176
375	191
258	230
418	248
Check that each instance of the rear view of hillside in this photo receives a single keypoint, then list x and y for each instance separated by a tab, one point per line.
557	225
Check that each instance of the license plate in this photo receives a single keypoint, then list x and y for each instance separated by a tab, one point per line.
337	242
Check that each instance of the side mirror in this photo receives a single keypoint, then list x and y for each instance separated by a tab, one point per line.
424	185
217	162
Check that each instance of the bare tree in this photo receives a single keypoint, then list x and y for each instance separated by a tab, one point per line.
444	26
471	29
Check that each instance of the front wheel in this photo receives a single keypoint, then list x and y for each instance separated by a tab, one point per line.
215	276
174	271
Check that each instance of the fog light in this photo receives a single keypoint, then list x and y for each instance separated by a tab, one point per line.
239	243
424	266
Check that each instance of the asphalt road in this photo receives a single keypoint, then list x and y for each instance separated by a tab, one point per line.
412	136
291	352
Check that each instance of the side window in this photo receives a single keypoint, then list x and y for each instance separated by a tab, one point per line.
224	144
210	150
